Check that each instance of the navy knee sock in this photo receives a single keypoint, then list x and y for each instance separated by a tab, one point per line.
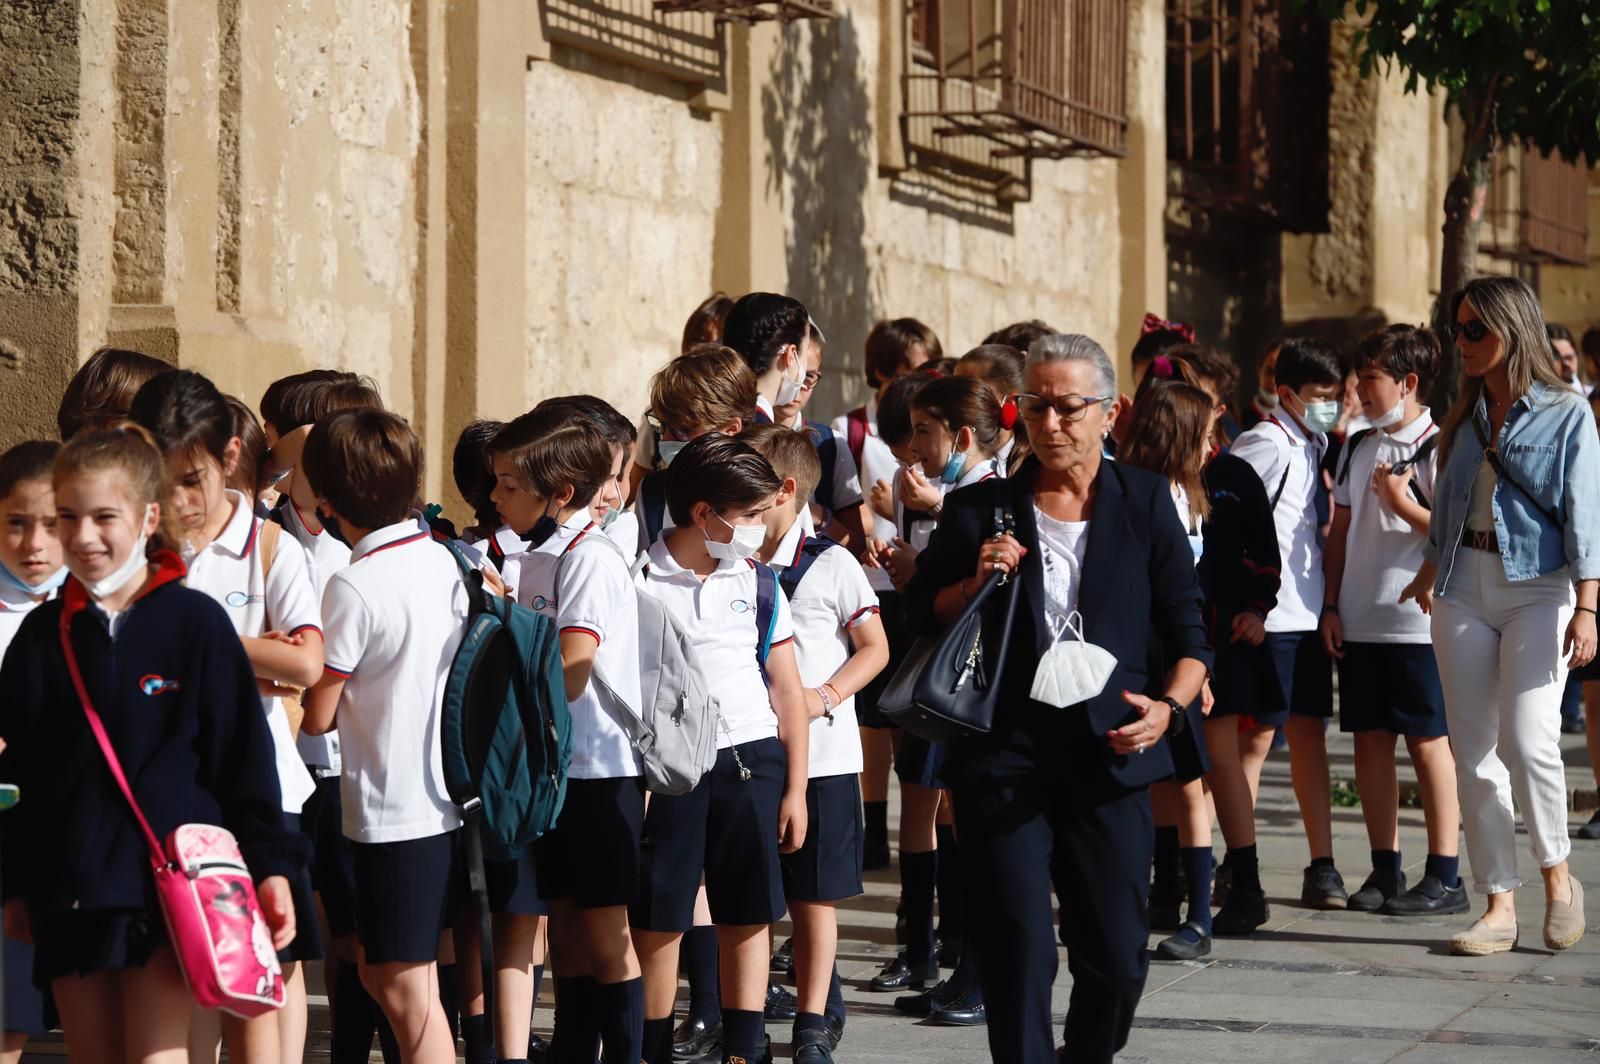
700	960
577	1020
918	873
1387	863
475	1033
835	1009
1448	869
1246	866
657	1042
621	1020
1197	867
355	1016
1167	857
744	1034
948	883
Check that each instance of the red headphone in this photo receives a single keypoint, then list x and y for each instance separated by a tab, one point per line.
1008	413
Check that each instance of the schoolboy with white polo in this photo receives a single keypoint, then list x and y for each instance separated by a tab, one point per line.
731	827
394	620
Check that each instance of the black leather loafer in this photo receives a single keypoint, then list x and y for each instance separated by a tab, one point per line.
1185	947
694	1041
1246	910
783	959
1377	890
781	1005
1323	888
965	1010
813	1047
899	974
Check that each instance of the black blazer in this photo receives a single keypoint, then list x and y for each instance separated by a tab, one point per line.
1138	581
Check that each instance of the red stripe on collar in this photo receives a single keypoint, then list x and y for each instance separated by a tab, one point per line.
169	569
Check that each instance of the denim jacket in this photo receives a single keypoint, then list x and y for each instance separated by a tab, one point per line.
1550	447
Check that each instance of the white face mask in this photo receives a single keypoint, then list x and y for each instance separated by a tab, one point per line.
668	450
1073	670
1393	416
1321	415
136	563
1268	400
788	387
747	540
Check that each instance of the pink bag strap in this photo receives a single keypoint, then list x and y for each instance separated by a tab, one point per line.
157	857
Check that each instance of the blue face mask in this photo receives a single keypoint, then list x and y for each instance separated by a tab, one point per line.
954	467
667	450
610	518
45	587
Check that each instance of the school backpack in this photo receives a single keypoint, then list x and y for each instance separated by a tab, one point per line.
811	548
855	426
827	445
1421	456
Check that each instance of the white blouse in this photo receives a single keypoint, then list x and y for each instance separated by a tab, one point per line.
1061	545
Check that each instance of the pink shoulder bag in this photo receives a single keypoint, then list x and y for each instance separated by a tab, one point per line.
207	896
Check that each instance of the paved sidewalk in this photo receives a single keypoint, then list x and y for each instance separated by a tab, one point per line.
1311	986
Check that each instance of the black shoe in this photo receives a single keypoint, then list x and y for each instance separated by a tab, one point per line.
924	1003
781	1005
1246	910
783	960
1572	727
814	1047
538	1049
899	974
1323	888
1591	830
965	1010
1221	884
1376	891
1190	943
949	950
835	1031
693	1040
1429	897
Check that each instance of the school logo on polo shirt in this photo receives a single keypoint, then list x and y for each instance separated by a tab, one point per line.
241	599
157	685
741	606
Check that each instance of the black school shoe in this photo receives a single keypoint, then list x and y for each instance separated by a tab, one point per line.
1323	888
1428	898
1245	911
900	974
1376	892
538	1049
783	960
1591	830
964	1010
1190	943
814	1047
694	1041
781	1005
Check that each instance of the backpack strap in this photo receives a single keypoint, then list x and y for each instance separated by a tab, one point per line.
1350	446
653	504
1281	482
1429	445
827	445
766	611
477	597
1500	470
855	427
811	548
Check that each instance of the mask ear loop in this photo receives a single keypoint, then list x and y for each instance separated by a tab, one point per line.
1074	623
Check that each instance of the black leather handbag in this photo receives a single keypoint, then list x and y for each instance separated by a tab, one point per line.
948	685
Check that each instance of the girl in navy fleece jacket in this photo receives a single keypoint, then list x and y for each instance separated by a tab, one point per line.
178	697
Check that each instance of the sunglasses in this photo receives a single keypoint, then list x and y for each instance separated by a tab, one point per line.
1033	407
1474	330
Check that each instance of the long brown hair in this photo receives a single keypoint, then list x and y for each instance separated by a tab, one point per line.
129	449
1168	436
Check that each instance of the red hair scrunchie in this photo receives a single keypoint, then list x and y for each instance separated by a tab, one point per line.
1154	324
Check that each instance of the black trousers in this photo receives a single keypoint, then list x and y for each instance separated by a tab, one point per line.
1020	838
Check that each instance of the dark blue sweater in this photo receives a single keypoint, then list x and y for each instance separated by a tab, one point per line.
180	704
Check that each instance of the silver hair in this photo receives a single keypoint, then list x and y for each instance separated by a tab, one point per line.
1075	347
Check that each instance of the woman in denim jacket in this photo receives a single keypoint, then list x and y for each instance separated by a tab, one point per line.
1511	574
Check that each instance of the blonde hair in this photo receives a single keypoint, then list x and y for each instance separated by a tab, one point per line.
129	449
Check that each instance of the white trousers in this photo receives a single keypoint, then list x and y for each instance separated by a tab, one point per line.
1498	644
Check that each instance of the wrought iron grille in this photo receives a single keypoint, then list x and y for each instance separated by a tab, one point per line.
752	11
1537	209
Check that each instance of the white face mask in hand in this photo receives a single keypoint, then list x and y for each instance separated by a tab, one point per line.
1073	670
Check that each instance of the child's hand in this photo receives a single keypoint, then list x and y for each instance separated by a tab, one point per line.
1207	699
874	555
792	821
1421	589
1332	631
273	689
917	491
277	908
1248	628
883	500
19	928
298	639
492	582
902	563
1389	487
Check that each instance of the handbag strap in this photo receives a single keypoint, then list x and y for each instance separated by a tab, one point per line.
96	725
1504	474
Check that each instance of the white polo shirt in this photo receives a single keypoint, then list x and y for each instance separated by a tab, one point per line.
394	620
229	570
833	598
14	606
324	557
1275	447
597	596
877	463
1382	552
719	616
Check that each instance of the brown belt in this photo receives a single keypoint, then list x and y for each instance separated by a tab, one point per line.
1484	541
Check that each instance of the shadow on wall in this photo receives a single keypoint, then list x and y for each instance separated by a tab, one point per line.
815	112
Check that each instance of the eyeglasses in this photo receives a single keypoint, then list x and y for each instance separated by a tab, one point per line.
1474	330
663	432
812	377
1033	407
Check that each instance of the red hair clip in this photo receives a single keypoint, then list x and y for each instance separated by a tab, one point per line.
1155	324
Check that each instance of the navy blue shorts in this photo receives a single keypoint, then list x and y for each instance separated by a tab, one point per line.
727	828
893	615
406	893
333	872
918	761
25	1003
592	854
1391	687
828	866
307	944
1304	675
513	886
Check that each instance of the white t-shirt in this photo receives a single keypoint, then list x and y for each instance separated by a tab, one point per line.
324	557
1273	448
1382	552
919	530
1061	550
596	596
877	463
833	598
719	616
229	570
394	620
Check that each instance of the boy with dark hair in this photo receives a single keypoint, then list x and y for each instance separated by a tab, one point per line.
1388	679
731	827
393	619
1286	452
770	331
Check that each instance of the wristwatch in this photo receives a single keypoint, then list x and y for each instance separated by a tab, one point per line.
1180	716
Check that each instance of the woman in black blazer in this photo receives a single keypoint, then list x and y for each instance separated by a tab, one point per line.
1059	797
